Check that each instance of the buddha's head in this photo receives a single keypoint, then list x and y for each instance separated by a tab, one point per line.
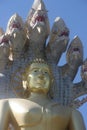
38	77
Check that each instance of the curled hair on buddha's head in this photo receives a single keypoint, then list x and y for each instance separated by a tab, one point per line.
25	74
38	60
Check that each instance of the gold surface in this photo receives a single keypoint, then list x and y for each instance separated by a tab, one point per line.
38	112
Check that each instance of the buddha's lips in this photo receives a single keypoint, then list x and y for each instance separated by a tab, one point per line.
64	34
40	19
4	40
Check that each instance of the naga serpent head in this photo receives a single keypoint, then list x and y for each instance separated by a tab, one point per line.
59	35
17	30
15	24
38	18
74	53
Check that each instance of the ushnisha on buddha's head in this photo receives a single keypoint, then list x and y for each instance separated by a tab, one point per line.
38	77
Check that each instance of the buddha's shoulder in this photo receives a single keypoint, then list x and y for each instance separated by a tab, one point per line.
21	102
17	102
57	108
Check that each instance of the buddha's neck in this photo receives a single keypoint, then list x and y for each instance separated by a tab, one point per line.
39	98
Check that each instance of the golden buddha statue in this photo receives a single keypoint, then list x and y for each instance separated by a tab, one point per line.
39	111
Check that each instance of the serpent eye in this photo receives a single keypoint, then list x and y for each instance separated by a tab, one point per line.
76	49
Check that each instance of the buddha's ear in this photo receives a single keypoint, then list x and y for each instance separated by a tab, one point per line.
24	82
52	80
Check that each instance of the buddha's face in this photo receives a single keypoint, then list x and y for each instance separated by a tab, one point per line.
39	78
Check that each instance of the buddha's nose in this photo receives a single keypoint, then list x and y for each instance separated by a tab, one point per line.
41	75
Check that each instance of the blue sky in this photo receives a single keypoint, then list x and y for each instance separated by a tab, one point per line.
72	11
